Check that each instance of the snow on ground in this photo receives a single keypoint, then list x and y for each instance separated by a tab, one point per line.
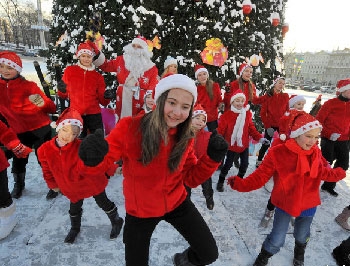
37	240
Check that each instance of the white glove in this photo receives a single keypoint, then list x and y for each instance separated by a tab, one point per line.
334	136
264	141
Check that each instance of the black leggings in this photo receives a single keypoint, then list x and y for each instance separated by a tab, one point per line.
186	220
265	147
101	199
5	196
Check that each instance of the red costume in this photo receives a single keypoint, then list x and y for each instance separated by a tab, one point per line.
234	86
75	180
85	89
167	190
21	114
210	105
9	139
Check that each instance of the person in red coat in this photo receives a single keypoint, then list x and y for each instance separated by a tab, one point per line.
158	161
236	125
209	96
7	206
85	88
334	115
297	168
199	120
135	73
244	84
25	108
64	171
274	104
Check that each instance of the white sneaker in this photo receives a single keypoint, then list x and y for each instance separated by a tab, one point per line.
8	220
266	218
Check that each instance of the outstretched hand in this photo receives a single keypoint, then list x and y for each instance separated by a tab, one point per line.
217	147
21	151
93	148
93	46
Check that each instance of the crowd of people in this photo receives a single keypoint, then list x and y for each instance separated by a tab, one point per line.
172	133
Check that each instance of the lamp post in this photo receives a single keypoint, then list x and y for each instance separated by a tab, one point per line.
40	24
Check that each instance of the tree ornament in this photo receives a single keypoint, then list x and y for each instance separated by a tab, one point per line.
285	29
214	53
246	7
275	19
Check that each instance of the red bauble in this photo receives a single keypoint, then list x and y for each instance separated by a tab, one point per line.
285	29
246	7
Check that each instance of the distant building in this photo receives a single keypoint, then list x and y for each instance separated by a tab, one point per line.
321	68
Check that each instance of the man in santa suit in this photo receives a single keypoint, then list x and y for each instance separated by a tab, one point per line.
135	73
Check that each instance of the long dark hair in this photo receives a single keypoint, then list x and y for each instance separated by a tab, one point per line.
250	84
154	129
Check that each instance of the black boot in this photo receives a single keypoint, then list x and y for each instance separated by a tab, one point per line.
263	258
220	186
116	221
210	202
75	227
342	253
181	259
299	251
19	185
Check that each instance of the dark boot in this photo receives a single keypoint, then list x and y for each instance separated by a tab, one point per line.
263	258
75	228
220	186
342	253
116	221
210	202
181	259
299	251
19	185
241	174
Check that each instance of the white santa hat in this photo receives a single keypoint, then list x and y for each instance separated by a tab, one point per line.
84	48
343	85
237	94
169	61
11	59
294	99
176	81
140	40
301	122
69	116
199	110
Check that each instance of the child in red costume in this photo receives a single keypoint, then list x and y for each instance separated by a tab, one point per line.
244	84
236	125
64	171
170	66
199	120
85	88
209	96
158	161
25	107
7	206
297	167
273	106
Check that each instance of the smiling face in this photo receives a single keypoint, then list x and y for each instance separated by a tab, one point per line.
8	72
299	105
67	134
247	73
346	94
202	77
85	60
279	86
172	68
307	140
177	107
238	103
198	122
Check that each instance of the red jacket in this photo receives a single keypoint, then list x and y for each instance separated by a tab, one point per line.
152	190
10	140
148	81
85	89
272	108
334	116
226	124
63	168
21	114
210	106
234	86
294	191
201	143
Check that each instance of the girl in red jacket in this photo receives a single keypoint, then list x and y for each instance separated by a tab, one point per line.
7	206
25	108
236	125
297	167
199	120
209	96
85	88
274	104
158	161
64	171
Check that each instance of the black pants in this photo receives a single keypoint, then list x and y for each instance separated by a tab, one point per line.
186	220
5	196
207	188
101	199
337	151
244	157
265	147
91	123
33	139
